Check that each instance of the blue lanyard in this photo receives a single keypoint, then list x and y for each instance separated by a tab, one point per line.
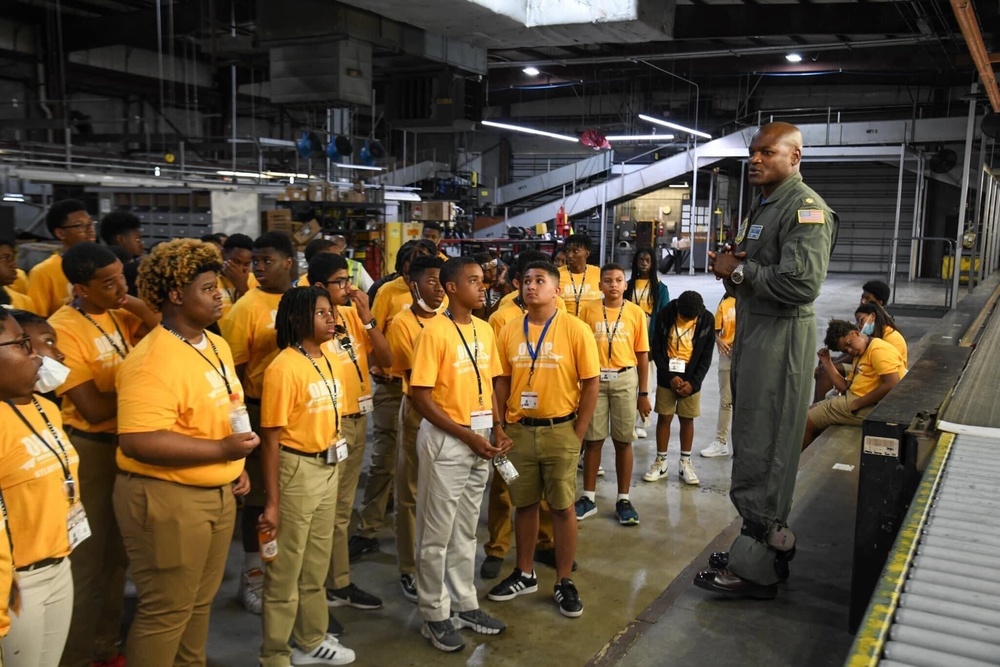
533	353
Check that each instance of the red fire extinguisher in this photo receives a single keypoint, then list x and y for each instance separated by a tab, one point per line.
562	222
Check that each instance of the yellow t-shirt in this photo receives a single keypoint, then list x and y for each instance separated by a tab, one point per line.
880	358
680	342
20	282
578	289
641	296
389	300
229	291
33	482
725	320
401	338
567	355
48	286
441	361
300	400
357	382
631	335
6	577
508	310
21	301
249	330
896	339
92	353
166	385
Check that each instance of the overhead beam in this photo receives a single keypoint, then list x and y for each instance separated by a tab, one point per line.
763	20
969	23
138	28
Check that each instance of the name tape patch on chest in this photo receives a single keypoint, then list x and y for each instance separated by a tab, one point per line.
811	216
755	231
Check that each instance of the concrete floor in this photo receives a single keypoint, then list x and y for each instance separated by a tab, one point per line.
622	570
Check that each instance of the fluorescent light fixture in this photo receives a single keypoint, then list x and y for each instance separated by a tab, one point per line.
361	167
531	71
679	185
529	130
268	141
793	58
673	126
639	137
241	174
15	197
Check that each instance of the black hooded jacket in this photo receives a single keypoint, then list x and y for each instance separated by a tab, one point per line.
701	356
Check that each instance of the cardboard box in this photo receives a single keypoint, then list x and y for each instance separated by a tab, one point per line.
356	197
317	191
437	211
306	232
277	220
294	193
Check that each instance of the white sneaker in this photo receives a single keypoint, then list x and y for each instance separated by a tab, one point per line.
715	449
686	472
327	653
640	433
251	590
657	469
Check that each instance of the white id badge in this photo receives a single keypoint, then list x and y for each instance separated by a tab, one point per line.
677	365
608	374
366	404
529	400
341	450
481	419
77	526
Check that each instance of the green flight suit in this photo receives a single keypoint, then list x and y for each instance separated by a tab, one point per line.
788	240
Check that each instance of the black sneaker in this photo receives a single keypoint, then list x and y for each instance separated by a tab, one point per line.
490	569
548	557
351	596
408	584
358	546
627	516
516	584
334	628
568	599
442	635
479	621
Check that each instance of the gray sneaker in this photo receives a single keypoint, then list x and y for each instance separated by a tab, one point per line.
442	635
479	621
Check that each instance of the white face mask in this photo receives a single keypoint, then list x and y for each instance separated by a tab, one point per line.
51	375
423	304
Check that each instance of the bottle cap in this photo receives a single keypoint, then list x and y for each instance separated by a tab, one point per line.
234	398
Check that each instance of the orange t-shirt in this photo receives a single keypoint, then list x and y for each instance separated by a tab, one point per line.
229	291
401	337
357	382
48	287
249	330
577	288
33	481
510	310
6	577
21	301
880	358
300	400
630	333
20	282
725	320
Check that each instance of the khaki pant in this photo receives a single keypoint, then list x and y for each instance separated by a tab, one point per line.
725	399
177	538
406	488
371	516
37	635
546	458
348	474
294	597
99	563
449	494
614	413
499	515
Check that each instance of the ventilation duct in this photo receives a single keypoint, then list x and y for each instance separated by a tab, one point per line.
335	73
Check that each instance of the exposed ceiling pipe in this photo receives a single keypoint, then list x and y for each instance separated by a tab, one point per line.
969	23
719	53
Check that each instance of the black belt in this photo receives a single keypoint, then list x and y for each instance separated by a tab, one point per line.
551	421
386	379
319	456
353	415
38	565
106	438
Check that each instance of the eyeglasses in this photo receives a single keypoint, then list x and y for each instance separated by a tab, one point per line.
341	283
80	225
24	342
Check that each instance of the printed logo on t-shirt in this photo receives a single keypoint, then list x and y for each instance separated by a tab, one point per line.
42	461
601	330
547	358
319	395
462	361
106	351
274	318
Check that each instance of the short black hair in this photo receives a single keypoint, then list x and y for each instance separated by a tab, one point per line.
524	258
121	253
547	267
118	222
294	321
403	255
422	263
6	240
279	241
555	252
836	330
83	260
877	288
59	211
212	238
24	317
316	246
581	240
433	226
690	304
324	265
882	318
454	267
611	266
236	242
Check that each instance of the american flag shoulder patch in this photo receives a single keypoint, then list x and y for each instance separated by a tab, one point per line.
811	216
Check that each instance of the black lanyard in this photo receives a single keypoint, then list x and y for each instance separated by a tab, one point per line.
107	337
473	357
518	302
678	334
533	353
639	297
610	333
583	283
64	459
332	389
350	350
221	370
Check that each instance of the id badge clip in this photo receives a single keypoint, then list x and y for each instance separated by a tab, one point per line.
529	400
366	404
77	526
677	365
609	374
482	420
336	452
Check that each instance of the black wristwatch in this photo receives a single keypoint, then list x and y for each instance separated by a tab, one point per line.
643	393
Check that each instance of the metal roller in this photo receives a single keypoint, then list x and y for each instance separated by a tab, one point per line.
951	626
951	609
961	647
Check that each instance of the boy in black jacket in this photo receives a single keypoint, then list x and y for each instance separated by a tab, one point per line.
683	340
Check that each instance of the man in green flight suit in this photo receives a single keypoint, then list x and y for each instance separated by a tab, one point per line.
775	272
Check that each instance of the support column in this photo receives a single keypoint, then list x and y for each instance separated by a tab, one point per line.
964	199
